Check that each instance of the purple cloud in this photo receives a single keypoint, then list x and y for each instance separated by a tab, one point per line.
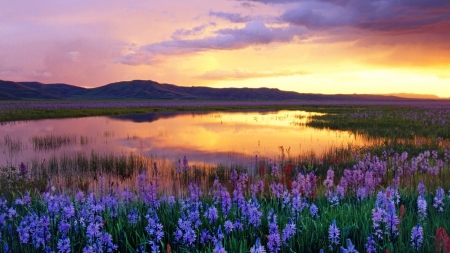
194	31
253	33
397	17
232	17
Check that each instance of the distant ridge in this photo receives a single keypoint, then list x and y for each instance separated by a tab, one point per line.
151	90
414	96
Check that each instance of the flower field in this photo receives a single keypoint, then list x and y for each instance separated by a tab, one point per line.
387	203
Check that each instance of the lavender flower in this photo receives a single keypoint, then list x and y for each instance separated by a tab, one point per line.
314	211
134	217
257	248
421	208
288	232
333	234
205	237
370	245
63	245
439	199
212	214
154	229
218	248
228	226
35	228
350	247
185	235
421	188
417	237
274	241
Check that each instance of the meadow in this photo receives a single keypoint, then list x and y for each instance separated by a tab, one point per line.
392	196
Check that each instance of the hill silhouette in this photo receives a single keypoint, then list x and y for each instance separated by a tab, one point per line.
151	90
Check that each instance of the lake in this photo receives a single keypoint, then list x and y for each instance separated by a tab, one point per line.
203	137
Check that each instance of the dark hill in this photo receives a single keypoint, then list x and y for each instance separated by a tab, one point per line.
58	89
17	91
150	90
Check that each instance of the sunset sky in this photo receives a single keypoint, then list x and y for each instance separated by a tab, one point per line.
309	46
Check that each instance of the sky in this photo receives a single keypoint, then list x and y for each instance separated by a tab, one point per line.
308	46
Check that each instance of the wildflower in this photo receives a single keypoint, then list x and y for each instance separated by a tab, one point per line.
228	225
333	234
361	193
329	181
35	228
63	245
185	235
314	211
417	237
171	200
391	221
370	245
154	229
441	241
333	199
218	248
274	170
238	225
205	237
350	247
288	232
421	208
274	241
134	217
257	248
212	214
439	199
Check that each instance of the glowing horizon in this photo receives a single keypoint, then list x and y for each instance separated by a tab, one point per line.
307	46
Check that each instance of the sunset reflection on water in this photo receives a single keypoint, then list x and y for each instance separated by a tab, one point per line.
204	137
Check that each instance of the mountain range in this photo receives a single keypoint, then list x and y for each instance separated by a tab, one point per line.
150	90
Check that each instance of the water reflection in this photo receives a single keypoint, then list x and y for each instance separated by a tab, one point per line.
204	137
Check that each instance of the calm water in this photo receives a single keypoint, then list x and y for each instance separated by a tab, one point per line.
212	137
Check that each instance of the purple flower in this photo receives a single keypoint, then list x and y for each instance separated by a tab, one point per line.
439	199
134	217
274	240
185	235
314	211
257	248
421	208
63	227
329	181
205	237
63	245
35	228
228	226
350	247
417	237
212	214
288	232
421	188
334	234
218	248
154	230
238	225
370	245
